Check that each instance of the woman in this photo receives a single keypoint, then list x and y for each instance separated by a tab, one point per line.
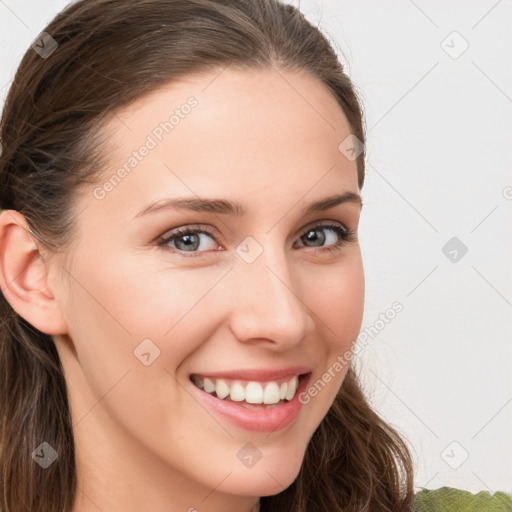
182	284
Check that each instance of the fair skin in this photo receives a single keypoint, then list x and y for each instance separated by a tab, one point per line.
142	441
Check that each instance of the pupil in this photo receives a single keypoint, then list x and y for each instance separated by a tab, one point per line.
312	237
189	242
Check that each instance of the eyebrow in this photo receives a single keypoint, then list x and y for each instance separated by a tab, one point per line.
233	208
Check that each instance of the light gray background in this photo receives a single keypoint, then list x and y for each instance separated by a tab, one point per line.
438	166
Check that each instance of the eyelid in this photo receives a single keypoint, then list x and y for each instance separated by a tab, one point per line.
324	223
209	230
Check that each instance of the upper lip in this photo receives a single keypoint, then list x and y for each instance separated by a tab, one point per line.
257	374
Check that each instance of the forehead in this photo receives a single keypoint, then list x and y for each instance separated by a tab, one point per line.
243	131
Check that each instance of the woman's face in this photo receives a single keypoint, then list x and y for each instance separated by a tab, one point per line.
275	288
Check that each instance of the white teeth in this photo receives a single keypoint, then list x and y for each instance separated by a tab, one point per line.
221	388
237	393
292	387
271	394
283	390
209	386
253	393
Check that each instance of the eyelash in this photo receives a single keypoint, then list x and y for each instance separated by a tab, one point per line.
345	235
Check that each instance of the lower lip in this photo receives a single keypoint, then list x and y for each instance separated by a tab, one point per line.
262	420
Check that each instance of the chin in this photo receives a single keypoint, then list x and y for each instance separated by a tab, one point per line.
264	480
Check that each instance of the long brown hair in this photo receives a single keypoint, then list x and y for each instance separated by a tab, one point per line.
107	54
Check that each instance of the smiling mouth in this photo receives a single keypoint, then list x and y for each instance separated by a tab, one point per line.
250	394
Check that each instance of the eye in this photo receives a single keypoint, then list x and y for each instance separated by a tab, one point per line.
188	240
338	237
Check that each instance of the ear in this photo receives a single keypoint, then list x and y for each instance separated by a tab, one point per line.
24	275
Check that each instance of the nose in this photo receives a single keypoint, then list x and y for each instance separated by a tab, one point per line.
268	306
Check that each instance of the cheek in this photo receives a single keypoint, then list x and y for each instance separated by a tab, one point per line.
132	331
129	304
338	304
120	319
123	320
336	297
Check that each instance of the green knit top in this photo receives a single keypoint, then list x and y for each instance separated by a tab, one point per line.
449	499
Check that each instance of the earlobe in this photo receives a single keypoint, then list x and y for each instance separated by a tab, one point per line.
24	275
